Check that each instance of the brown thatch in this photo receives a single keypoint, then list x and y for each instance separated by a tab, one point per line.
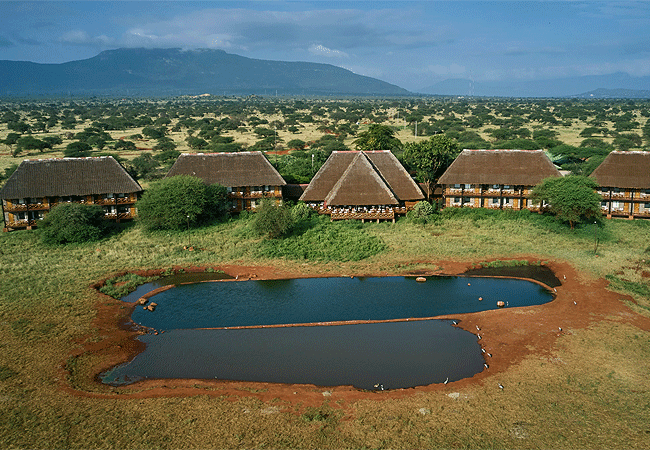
360	184
507	167
68	176
362	178
628	170
395	175
327	176
228	169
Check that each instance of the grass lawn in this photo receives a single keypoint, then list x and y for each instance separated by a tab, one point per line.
589	390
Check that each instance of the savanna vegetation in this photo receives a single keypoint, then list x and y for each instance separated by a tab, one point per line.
589	390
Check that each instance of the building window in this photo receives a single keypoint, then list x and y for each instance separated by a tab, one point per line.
494	201
507	201
456	200
22	201
468	186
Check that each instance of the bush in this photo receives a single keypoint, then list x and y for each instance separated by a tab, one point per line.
73	222
272	220
422	212
181	201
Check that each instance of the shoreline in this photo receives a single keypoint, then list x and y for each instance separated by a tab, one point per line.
510	334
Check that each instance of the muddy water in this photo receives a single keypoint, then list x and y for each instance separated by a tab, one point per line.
394	355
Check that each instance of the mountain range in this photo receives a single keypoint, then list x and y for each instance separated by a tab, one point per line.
616	85
164	72
173	72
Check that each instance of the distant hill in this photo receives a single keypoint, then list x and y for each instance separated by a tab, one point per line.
621	83
161	72
615	93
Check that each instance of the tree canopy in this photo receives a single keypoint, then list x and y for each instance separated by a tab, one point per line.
378	137
431	157
571	198
176	202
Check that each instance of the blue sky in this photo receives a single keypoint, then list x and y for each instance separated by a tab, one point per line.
411	44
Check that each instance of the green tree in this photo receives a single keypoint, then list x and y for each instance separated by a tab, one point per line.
31	143
77	149
142	166
176	202
8	171
124	144
571	198
431	157
73	222
378	137
272	220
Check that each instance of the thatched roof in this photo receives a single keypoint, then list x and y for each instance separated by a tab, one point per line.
68	176
361	184
629	170
508	167
362	178
228	169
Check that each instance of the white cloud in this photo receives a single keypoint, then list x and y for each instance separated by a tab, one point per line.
320	50
79	37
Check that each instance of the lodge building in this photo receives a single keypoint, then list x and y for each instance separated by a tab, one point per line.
624	178
495	179
248	176
362	185
39	185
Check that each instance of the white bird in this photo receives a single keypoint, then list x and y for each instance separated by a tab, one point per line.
574	302
564	277
477	328
479	336
560	328
486	366
500	386
490	355
454	322
447	380
483	350
555	290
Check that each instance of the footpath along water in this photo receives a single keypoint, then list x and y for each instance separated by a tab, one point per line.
395	355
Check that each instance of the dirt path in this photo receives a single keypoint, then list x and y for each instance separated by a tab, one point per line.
509	335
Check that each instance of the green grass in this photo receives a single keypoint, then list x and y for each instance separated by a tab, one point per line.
597	397
118	287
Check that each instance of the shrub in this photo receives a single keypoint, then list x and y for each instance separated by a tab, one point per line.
73	222
272	220
177	202
422	212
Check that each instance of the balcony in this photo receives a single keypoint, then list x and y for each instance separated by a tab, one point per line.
15	207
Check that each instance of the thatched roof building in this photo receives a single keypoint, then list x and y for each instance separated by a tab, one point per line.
68	177
228	169
626	170
499	167
367	178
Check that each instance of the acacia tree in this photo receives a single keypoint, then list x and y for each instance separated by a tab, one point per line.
378	137
571	198
431	157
